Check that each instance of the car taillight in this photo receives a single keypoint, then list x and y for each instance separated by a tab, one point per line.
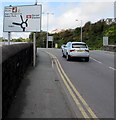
87	50
72	50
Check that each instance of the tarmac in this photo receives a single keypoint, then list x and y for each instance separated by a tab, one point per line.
40	94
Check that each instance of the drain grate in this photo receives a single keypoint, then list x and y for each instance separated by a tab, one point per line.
56	80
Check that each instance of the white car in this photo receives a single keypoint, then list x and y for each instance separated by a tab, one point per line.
62	46
76	49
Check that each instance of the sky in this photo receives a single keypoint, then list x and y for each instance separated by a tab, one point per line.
65	13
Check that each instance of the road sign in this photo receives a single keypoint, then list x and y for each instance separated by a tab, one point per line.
22	18
105	41
50	38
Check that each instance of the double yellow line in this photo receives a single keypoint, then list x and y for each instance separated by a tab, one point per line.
84	108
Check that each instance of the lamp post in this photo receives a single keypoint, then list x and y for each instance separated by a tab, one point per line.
81	31
35	2
47	28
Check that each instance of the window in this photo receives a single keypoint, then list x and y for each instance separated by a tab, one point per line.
79	45
68	44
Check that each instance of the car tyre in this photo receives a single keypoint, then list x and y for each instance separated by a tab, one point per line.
67	57
63	55
87	59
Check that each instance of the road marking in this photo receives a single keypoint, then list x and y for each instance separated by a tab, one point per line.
52	63
72	90
102	63
96	60
73	95
78	94
112	68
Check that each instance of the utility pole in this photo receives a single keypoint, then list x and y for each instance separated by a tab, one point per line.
47	28
34	45
9	37
81	31
35	2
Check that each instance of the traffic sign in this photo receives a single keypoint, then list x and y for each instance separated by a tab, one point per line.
105	41
26	18
50	38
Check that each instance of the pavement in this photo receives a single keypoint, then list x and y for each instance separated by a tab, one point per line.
40	94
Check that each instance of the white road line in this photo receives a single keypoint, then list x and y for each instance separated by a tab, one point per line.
112	68
52	64
101	63
96	60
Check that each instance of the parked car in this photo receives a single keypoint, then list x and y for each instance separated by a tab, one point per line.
76	49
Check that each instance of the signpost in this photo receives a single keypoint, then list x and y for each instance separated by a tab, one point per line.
105	41
25	18
50	38
9	36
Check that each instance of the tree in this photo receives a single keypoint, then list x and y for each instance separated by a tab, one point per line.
92	34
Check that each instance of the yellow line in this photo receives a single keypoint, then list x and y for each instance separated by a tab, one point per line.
72	94
78	94
75	90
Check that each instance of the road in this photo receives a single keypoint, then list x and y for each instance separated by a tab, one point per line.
57	88
94	80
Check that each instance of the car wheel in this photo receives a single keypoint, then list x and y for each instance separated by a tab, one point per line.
87	59
67	57
63	55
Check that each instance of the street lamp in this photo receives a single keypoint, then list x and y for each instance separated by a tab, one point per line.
35	2
47	28
81	31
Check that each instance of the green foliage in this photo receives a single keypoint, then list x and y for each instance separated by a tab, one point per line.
40	39
1	39
21	40
111	32
93	34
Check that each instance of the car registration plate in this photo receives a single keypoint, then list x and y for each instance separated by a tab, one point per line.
79	50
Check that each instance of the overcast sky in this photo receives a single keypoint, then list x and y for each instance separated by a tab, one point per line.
65	13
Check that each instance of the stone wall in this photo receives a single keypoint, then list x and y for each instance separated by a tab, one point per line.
15	60
111	48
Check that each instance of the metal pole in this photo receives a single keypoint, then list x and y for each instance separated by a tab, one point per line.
34	49
52	43
9	36
81	32
35	2
47	30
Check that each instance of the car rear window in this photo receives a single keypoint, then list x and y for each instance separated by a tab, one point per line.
79	45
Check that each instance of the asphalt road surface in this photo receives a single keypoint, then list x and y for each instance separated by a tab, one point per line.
86	90
94	79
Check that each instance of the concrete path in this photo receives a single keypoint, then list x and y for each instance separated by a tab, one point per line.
40	94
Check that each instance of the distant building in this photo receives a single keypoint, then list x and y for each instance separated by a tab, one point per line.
57	31
110	20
